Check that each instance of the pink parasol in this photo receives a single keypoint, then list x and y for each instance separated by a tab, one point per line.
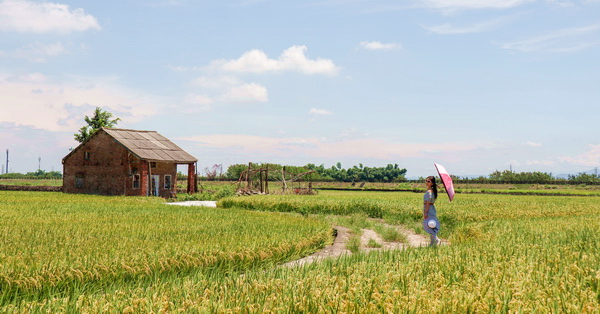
446	180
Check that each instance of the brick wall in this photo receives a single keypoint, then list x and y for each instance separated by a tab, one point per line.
96	167
103	166
148	172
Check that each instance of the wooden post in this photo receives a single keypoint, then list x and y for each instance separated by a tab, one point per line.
283	179
144	178
196	178
267	180
248	175
260	183
191	181
149	190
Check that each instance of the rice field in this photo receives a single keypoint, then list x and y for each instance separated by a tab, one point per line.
508	254
52	243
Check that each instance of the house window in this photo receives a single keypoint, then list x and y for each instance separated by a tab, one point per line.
87	155
79	181
167	182
136	181
152	164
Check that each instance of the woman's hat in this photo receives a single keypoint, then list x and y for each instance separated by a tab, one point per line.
432	223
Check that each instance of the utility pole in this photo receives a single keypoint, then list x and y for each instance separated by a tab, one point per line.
7	160
39	162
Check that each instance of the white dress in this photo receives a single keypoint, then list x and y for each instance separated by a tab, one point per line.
431	214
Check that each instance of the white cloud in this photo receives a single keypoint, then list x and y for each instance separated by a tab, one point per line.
589	158
375	45
196	103
30	100
320	148
561	3
198	99
319	112
32	17
225	89
216	82
472	4
37	52
565	40
349	133
292	59
466	29
251	61
246	93
545	163
217	87
27	144
181	68
35	77
532	144
167	3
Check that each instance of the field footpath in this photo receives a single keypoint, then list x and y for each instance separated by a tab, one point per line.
338	248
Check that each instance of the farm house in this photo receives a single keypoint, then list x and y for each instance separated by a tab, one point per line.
126	162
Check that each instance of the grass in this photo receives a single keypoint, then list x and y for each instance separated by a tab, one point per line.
509	253
373	244
210	193
353	243
42	182
54	242
390	234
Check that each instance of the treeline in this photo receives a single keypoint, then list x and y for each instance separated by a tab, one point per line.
40	174
312	172
360	173
508	176
393	173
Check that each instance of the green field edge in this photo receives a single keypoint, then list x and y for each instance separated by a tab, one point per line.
473	191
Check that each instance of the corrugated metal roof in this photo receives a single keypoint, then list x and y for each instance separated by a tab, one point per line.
150	146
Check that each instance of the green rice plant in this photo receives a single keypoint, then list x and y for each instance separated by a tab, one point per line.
406	207
353	243
53	241
214	194
390	234
307	205
508	254
520	269
373	244
41	182
354	222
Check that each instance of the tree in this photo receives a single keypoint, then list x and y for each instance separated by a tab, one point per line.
100	119
584	178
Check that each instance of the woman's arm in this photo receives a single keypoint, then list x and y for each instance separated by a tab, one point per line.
426	209
426	203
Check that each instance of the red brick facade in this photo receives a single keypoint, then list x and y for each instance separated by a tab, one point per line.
103	166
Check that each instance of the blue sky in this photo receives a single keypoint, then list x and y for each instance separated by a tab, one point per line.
476	86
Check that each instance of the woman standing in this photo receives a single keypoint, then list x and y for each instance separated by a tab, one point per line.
431	224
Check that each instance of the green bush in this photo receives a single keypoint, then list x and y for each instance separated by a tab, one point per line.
208	195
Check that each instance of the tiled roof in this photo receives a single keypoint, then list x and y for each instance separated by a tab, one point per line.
150	146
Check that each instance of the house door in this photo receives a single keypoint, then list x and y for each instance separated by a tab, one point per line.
155	184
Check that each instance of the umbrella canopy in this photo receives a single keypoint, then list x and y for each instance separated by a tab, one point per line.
446	180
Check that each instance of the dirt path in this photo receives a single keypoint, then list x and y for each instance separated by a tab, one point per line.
338	248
